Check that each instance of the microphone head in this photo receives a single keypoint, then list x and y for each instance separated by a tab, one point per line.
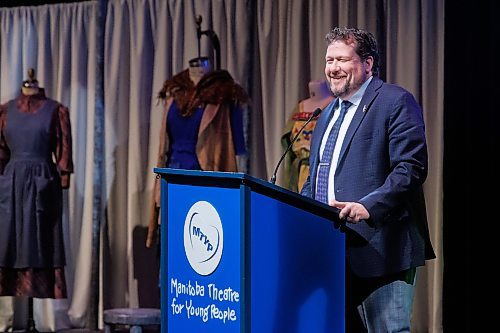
317	112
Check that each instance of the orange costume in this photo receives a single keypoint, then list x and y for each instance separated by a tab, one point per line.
296	164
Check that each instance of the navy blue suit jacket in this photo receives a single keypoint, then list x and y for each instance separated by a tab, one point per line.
382	165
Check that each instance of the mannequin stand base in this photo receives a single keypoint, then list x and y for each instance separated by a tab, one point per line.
30	328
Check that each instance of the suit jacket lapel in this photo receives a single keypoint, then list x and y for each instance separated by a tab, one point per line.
361	111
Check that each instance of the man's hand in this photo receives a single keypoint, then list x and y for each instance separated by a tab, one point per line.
351	211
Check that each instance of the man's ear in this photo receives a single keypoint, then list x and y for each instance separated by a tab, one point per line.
369	64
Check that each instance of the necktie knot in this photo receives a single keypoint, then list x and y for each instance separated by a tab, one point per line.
345	106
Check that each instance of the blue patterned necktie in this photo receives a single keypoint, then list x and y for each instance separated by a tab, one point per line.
326	158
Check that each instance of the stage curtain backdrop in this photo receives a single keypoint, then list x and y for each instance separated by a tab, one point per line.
273	48
58	41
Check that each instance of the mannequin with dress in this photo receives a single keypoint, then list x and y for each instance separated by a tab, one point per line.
202	126
296	164
35	166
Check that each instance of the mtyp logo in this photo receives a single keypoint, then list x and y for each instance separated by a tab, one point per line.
203	238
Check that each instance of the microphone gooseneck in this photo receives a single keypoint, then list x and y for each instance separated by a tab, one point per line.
314	115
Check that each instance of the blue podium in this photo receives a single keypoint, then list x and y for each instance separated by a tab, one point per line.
239	254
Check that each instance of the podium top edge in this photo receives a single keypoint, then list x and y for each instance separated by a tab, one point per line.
239	178
201	173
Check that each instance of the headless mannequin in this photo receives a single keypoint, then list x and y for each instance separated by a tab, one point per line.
319	96
199	67
33	125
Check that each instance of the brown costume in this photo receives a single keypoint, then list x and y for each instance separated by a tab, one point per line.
216	91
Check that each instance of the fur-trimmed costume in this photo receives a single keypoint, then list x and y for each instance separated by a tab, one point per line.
218	142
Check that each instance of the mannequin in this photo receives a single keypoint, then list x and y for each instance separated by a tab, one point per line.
297	161
202	127
35	165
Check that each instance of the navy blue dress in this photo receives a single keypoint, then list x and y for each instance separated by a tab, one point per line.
183	136
31	237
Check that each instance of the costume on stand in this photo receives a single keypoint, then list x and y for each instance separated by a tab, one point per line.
296	163
35	165
202	128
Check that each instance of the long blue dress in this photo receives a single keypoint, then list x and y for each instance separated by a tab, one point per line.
31	241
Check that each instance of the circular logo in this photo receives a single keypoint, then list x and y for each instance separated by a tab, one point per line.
203	238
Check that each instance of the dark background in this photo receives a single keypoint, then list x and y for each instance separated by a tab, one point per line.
471	147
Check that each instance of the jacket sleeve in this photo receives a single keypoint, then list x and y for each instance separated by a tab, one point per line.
407	160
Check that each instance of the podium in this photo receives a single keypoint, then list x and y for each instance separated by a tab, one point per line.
239	254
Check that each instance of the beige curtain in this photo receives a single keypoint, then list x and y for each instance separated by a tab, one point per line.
58	41
273	48
415	60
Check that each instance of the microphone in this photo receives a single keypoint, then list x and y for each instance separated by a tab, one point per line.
314	115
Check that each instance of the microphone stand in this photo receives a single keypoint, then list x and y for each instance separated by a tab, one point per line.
314	115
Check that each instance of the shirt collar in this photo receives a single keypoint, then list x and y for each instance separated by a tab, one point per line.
356	98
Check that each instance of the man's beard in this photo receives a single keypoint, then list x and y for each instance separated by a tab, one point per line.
342	91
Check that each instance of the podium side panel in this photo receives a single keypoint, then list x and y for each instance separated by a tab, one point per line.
201	255
297	270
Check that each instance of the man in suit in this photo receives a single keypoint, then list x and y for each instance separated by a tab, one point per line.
369	159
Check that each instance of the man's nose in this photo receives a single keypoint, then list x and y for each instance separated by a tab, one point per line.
333	67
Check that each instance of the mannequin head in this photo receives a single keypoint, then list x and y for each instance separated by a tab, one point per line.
30	86
319	96
29	89
198	67
318	89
